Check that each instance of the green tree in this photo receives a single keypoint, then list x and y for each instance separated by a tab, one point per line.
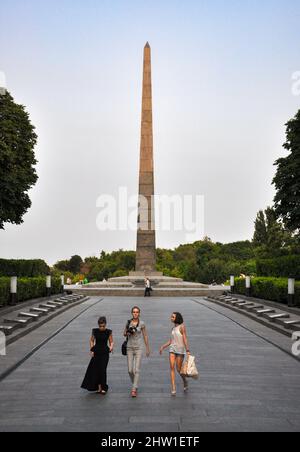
17	161
63	266
287	178
75	264
260	237
270	237
275	231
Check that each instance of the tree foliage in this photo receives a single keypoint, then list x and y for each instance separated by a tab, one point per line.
287	178
17	161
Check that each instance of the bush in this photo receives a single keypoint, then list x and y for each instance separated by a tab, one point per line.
120	273
285	266
28	288
273	289
23	268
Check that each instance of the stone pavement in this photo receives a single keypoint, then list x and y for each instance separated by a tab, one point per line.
246	383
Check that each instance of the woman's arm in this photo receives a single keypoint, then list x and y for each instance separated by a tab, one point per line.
92	343
146	339
163	347
126	330
185	339
111	343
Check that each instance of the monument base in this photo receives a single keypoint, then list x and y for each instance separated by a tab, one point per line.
145	274
134	286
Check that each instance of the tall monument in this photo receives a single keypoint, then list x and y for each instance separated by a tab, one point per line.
133	285
146	243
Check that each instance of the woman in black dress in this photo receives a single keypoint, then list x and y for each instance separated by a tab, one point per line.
101	345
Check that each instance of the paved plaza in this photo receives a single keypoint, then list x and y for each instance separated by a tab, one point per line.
246	383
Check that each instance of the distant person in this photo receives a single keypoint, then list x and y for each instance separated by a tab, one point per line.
178	345
69	281
85	281
101	345
148	287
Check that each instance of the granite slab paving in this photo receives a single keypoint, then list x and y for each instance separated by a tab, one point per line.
246	383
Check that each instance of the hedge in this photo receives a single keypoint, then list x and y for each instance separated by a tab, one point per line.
280	267
273	289
23	268
28	288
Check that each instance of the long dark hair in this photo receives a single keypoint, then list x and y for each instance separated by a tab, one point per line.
179	319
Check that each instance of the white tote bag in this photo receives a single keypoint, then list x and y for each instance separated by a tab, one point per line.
189	368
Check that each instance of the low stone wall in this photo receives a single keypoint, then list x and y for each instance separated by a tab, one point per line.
134	292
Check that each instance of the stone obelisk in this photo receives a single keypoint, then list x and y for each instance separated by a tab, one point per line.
146	246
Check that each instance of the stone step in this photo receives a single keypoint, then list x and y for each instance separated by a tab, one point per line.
72	298
289	324
34	317
261	312
284	322
253	308
42	311
64	300
20	322
8	329
48	306
182	292
240	304
247	305
295	327
237	302
230	301
57	303
273	317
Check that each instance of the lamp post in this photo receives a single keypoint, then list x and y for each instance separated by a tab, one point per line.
248	286
48	286
232	283
13	290
62	279
291	292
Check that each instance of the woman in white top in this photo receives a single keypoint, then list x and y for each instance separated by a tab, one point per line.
178	345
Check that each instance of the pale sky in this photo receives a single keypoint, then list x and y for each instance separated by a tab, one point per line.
222	92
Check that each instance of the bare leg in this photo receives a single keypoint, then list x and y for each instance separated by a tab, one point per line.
172	369
179	362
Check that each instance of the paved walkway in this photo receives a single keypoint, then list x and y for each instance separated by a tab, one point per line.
246	384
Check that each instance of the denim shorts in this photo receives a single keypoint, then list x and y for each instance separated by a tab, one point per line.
176	352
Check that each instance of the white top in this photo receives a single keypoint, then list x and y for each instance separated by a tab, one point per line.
177	343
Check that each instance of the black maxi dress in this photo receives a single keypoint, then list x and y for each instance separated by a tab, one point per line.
96	373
